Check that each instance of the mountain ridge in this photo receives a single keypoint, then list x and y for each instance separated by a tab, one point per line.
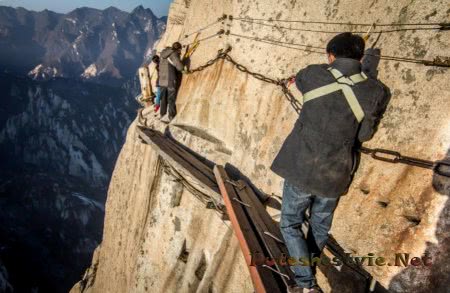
86	43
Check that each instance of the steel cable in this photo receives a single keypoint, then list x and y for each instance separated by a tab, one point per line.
343	23
436	62
220	19
338	32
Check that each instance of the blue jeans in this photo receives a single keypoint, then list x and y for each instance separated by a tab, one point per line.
158	96
294	205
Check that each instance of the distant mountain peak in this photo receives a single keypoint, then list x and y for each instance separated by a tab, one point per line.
139	7
113	8
141	10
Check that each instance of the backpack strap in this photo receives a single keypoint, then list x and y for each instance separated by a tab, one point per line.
343	84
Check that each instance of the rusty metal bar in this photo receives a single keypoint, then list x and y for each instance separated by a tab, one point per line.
264	224
263	279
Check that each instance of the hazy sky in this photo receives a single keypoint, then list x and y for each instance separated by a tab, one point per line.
159	7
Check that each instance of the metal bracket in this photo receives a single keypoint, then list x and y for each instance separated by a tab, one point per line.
241	202
444	26
438	168
273	236
238	186
276	271
438	61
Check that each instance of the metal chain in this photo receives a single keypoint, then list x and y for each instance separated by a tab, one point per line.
220	55
441	167
223	54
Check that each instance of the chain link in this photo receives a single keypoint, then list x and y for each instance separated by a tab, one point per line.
441	167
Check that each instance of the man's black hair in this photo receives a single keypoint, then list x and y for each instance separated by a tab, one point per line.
346	45
155	59
177	46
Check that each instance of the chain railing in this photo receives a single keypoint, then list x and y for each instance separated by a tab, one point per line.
441	167
223	55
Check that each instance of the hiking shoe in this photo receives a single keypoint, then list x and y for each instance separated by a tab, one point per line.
157	108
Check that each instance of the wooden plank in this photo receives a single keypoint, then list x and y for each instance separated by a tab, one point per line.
195	162
261	219
177	155
208	187
262	278
162	143
270	223
183	153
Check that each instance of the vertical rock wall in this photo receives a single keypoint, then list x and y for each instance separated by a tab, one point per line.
159	238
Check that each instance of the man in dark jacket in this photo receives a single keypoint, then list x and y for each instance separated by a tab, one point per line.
342	107
170	67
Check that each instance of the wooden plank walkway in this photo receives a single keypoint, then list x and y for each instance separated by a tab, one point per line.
263	279
183	161
255	229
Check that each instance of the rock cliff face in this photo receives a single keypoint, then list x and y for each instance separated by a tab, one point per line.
153	243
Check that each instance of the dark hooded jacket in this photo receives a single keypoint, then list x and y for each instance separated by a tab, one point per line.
169	66
319	155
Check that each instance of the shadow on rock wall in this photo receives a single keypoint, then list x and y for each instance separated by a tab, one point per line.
420	279
434	278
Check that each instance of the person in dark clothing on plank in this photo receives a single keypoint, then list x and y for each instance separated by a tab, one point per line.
169	68
342	106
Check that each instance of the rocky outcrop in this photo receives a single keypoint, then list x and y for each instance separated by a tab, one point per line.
151	244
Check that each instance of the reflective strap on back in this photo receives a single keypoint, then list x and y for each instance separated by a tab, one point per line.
342	83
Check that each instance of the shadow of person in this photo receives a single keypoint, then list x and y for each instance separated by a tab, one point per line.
421	279
436	277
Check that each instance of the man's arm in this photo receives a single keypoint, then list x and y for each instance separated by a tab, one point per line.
175	61
372	118
299	78
370	62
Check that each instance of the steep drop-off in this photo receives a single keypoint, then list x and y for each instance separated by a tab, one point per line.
61	132
159	238
55	170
